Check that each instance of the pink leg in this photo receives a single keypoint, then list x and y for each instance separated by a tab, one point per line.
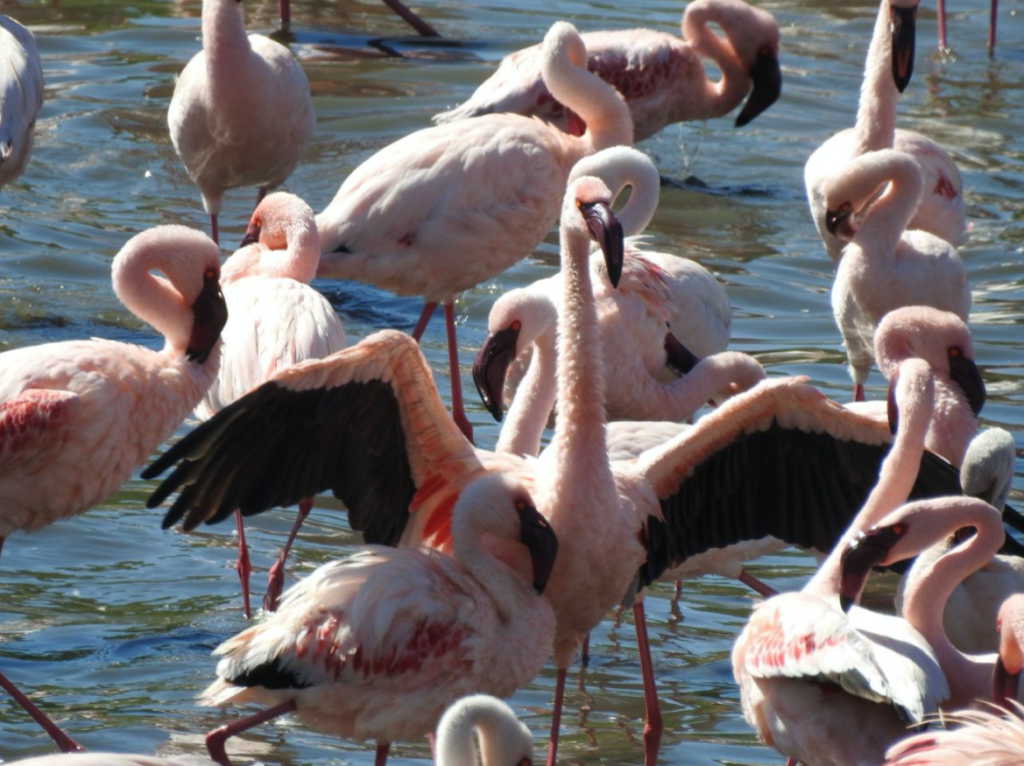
652	726
242	565
423	321
941	12
858	392
213	228
382	754
585	653
215	739
432	740
62	740
423	28
765	590
458	410
275	578
1	545
992	28
556	717
678	591
286	13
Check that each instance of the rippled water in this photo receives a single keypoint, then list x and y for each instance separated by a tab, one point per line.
110	621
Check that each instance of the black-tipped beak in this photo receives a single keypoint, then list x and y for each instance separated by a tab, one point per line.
902	22
209	315
1004	684
252	235
766	76
892	409
539	538
965	374
866	552
836	218
607	232
680	359
491	365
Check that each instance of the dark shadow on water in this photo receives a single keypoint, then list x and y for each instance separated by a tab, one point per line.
692	183
347	45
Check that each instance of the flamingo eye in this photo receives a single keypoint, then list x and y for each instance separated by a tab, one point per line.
955	351
517	325
845	206
210	274
521	505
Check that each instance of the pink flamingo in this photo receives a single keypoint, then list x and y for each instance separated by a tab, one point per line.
941	12
660	76
885	266
377	645
241	112
275	319
981	737
504	740
794	641
655	289
21	95
940	209
447	207
65	408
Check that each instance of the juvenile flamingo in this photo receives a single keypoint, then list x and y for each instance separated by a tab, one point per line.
885	266
377	645
504	740
275	320
21	95
890	61
77	417
661	77
793	642
241	112
448	207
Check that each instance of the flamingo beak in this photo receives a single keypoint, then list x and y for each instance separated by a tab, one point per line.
901	26
607	232
892	409
491	365
1005	684
252	235
680	359
766	76
864	553
965	373
836	219
539	538
210	314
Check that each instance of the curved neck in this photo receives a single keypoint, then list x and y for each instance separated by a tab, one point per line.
876	113
153	299
927	593
528	415
455	738
303	251
719	97
883	226
712	375
224	38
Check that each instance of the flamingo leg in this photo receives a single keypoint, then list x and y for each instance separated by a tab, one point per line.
458	409
556	717
652	726
1	545
62	740
381	758
215	739
858	392
286	13
213	229
992	28
432	741
941	13
423	28
242	565
585	652
423	321
275	578
765	590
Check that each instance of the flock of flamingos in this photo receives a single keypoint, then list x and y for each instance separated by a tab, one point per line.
481	565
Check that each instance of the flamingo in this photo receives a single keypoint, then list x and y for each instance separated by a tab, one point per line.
660	76
885	266
504	740
241	112
980	737
941	13
21	95
375	646
447	207
796	641
275	320
654	289
890	61
77	417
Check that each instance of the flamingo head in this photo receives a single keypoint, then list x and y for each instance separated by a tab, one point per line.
866	551
766	79
210	314
678	357
538	537
902	22
588	210
1010	626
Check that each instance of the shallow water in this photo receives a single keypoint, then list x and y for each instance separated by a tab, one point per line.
110	621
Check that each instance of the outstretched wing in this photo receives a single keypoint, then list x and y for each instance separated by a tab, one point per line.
366	423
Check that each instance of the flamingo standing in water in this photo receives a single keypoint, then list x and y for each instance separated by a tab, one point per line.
275	319
885	266
793	641
504	740
447	207
940	9
940	208
241	112
21	95
660	76
377	645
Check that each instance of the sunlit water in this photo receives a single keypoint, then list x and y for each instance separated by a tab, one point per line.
110	621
